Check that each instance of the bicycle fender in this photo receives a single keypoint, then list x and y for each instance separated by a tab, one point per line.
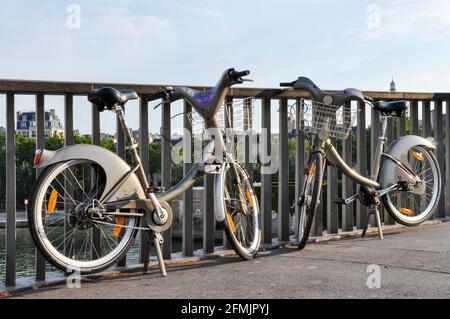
399	150
219	209
114	167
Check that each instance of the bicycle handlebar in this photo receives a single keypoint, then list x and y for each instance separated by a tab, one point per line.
236	76
157	96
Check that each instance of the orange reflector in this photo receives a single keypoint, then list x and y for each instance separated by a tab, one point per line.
52	201
231	222
117	229
249	197
418	156
406	211
310	171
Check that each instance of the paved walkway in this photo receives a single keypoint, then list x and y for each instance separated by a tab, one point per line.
414	263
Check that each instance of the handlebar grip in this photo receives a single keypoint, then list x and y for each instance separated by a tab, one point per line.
236	76
242	73
157	96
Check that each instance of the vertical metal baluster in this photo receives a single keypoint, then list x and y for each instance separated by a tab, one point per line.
347	183
166	169
188	196
414	112
121	152
388	220
426	118
40	142
440	151
228	118
283	176
300	166
95	125
374	138
266	178
143	154
447	161
361	159
401	131
10	276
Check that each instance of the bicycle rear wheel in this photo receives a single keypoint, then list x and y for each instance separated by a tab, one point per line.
309	199
66	229
412	208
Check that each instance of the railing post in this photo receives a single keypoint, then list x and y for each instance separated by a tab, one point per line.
95	126
361	159
40	143
266	179
283	176
143	154
440	151
447	161
10	276
347	183
188	198
166	168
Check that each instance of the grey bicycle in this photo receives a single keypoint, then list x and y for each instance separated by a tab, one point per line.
88	204
405	177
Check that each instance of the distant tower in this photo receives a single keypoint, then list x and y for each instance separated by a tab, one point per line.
393	89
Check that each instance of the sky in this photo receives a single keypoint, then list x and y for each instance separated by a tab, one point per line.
338	44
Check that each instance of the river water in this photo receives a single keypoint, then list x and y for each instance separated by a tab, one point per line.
26	253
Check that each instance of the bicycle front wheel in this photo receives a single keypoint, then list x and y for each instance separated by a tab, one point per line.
242	222
67	223
309	199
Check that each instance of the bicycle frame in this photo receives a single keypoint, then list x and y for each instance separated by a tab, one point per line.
335	159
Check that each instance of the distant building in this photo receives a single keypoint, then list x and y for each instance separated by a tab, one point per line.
2	130
26	124
393	88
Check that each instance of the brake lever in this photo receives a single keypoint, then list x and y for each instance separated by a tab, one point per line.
247	80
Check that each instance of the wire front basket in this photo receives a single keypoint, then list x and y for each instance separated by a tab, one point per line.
236	117
325	120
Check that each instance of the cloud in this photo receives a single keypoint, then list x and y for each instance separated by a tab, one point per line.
204	11
136	26
426	20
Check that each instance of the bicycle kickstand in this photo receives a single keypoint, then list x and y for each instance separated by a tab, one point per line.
374	211
158	241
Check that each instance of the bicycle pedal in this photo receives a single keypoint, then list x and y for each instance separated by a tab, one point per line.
340	201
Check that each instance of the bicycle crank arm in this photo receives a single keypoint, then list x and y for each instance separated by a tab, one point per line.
346	201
